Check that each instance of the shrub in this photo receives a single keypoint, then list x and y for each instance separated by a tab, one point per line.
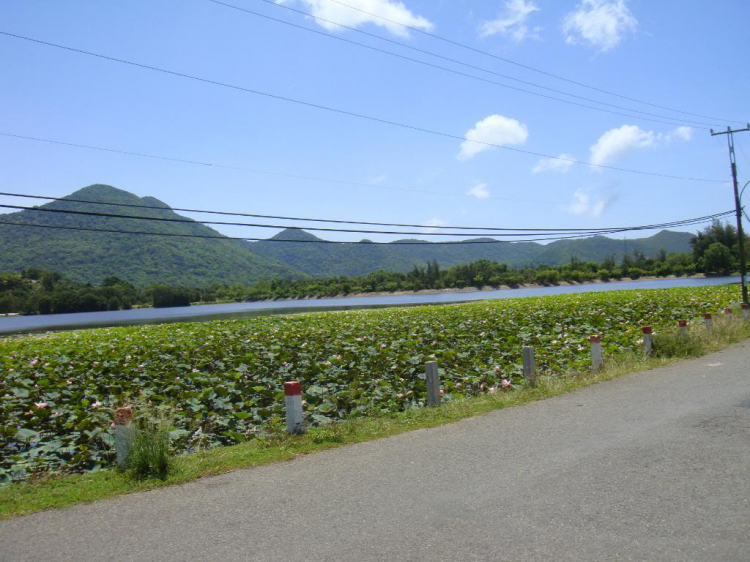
150	456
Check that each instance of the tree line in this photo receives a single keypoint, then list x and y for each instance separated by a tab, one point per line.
715	251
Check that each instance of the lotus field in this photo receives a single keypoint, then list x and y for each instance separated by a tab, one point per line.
221	382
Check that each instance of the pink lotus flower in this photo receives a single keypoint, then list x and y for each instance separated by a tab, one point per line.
505	383
41	405
383	346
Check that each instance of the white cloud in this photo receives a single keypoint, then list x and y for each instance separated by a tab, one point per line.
479	191
599	23
511	21
554	164
494	129
432	223
681	133
388	9
587	204
617	142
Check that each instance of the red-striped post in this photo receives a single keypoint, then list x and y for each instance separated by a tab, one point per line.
683	327
295	416
597	354
745	312
648	340
728	313
709	319
124	435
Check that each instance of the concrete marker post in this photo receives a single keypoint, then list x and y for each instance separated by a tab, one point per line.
432	379
683	327
597	354
529	365
124	435
648	340
745	313
295	415
709	320
729	314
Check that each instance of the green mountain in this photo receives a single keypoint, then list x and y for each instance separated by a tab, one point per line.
361	259
140	259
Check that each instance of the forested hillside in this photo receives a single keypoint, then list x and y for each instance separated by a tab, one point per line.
138	259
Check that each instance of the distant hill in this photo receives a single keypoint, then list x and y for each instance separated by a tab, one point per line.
360	259
90	256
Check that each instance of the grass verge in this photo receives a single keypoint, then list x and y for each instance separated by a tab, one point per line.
62	491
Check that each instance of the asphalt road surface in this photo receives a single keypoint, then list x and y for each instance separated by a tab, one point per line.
654	466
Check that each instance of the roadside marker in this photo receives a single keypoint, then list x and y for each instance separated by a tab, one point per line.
529	365
745	311
124	434
432	379
648	340
597	354
709	320
295	417
728	313
683	327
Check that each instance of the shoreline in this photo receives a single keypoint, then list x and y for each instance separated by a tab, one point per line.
460	291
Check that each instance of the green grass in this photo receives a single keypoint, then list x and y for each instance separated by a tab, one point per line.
61	491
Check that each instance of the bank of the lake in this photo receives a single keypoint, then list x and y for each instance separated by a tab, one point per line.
41	323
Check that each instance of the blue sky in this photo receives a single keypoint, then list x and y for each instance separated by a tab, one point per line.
684	55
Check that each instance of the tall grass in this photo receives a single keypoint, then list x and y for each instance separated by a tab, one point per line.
699	340
150	455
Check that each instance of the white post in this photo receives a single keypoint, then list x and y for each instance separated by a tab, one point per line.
745	312
529	365
728	314
124	435
648	340
597	355
432	379
683	327
709	320
295	417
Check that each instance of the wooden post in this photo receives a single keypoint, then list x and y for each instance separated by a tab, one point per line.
709	320
529	365
295	416
683	327
432	379
124	435
648	340
597	355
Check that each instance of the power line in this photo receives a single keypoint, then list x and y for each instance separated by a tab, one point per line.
317	241
336	221
347	230
350	113
531	68
268	172
699	125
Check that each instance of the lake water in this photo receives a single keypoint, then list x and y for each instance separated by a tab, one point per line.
22	324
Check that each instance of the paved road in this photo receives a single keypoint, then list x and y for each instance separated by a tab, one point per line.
654	466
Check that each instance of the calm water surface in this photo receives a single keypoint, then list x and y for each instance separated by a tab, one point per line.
21	324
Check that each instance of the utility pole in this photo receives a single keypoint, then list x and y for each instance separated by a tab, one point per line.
740	232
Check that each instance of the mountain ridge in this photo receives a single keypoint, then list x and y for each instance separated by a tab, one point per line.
141	259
